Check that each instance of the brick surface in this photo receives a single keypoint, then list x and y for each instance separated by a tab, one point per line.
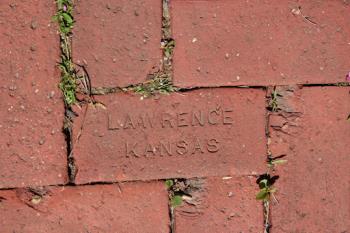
260	42
32	147
118	41
314	185
124	208
198	133
218	205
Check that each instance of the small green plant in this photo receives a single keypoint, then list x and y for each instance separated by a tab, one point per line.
158	83
68	83
266	190
273	162
168	48
176	201
265	181
161	81
266	187
273	103
169	183
175	196
69	77
64	16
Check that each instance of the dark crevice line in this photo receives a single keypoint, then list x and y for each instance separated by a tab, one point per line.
168	44
67	130
340	84
112	90
65	20
97	183
266	203
187	89
172	219
124	181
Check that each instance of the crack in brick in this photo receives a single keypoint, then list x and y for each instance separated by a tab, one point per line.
283	120
191	192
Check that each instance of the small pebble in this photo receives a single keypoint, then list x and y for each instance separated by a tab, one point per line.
51	94
42	141
12	88
34	25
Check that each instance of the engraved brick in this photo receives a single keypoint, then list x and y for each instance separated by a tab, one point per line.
32	145
136	207
220	205
260	42
118	41
193	134
314	186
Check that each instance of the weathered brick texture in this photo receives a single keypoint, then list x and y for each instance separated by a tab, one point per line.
193	134
32	146
260	42
220	205
125	208
314	185
118	41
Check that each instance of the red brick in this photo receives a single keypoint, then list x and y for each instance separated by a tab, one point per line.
118	41
33	149
314	185
234	145
221	206
259	42
140	207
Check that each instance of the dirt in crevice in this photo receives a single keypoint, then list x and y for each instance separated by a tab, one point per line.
192	193
282	120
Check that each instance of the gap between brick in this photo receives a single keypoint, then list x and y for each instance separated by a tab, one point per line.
112	90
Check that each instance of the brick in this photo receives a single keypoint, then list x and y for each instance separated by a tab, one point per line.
218	205
139	207
118	41
33	148
313	189
225	43
192	134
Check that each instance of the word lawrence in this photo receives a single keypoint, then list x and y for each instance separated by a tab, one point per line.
215	116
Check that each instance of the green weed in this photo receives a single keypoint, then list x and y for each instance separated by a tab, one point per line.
68	83
266	188
176	201
65	20
161	81
64	16
273	103
175	196
265	181
158	83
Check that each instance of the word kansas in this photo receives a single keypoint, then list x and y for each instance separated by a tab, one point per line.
168	148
